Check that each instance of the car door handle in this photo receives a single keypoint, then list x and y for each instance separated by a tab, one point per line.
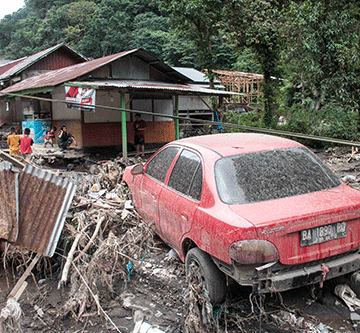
153	196
184	217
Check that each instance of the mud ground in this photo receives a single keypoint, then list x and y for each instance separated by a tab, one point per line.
157	290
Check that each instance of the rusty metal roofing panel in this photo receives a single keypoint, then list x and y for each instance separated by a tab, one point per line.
28	61
9	201
62	75
6	66
56	77
44	201
152	85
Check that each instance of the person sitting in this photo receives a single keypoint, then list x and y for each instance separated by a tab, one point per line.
65	138
50	136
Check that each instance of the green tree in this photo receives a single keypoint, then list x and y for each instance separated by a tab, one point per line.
197	21
255	24
322	54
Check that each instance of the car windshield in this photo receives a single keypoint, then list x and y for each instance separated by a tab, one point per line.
271	174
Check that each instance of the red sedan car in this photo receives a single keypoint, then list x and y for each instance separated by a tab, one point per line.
260	209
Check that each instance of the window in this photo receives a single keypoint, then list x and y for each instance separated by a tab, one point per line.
186	176
160	164
273	174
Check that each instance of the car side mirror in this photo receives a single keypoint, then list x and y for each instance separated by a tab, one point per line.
137	169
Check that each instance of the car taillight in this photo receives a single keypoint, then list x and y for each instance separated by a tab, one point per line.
253	251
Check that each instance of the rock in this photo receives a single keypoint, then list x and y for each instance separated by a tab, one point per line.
349	179
70	167
94	170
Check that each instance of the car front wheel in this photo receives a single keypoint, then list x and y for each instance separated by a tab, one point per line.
201	269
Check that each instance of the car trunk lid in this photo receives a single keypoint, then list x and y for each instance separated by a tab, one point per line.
293	224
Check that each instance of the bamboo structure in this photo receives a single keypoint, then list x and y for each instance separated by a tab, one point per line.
248	84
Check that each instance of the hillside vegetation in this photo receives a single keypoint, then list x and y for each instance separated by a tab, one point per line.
312	45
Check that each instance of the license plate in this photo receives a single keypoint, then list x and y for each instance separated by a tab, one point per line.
322	234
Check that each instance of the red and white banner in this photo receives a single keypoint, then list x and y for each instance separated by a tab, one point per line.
80	98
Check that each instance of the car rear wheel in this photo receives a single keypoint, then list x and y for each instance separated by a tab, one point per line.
201	269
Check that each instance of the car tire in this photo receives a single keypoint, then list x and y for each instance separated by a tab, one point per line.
200	267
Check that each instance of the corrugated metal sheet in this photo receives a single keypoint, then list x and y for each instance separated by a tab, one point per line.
9	201
33	207
57	77
6	66
28	61
151	85
44	201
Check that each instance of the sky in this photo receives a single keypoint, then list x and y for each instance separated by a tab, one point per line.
10	6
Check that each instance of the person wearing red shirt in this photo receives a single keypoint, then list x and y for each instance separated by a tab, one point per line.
25	144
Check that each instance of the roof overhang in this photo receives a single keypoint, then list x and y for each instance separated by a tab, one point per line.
128	86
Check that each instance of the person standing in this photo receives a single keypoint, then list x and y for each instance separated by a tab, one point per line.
25	143
13	142
139	130
65	138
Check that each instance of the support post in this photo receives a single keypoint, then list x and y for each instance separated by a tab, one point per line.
123	125
176	121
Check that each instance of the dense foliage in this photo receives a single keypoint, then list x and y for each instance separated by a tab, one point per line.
312	45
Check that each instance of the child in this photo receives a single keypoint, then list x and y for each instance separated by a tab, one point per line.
25	144
13	142
49	136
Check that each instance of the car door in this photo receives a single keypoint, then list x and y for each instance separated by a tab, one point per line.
180	199
152	183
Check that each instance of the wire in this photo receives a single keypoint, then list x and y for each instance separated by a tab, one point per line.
208	122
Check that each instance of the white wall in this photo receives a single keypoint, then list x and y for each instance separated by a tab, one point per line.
163	106
59	110
192	103
101	115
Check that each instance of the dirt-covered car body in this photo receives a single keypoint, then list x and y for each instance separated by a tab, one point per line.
269	213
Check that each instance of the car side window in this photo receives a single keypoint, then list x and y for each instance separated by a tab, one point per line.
160	164
186	176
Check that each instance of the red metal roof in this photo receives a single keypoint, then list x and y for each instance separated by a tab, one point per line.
5	67
23	63
54	78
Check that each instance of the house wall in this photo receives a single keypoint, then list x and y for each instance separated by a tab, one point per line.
13	115
193	103
73	126
55	60
62	116
109	134
59	110
131	68
103	128
101	115
163	106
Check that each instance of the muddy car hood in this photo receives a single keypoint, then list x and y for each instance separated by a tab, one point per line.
281	222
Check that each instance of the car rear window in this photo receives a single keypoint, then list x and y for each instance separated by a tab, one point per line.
186	176
272	174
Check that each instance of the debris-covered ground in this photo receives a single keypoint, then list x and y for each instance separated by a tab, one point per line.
111	273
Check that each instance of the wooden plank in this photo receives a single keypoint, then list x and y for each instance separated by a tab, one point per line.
12	160
21	281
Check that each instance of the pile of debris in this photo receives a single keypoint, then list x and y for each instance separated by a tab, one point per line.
111	271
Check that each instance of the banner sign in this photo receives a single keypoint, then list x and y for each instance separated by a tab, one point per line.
79	98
